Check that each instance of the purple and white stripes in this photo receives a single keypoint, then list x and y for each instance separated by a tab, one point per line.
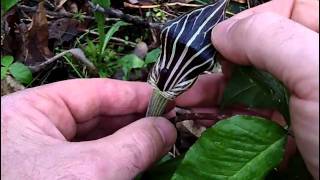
186	49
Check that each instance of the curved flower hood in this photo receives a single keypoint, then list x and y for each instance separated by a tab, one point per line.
186	49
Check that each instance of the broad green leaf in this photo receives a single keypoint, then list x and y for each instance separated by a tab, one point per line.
6	61
163	171
7	4
21	73
4	72
152	56
114	28
238	148
259	89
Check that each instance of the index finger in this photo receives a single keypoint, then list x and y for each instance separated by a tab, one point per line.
276	44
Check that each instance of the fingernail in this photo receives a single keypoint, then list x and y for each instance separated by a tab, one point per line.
166	130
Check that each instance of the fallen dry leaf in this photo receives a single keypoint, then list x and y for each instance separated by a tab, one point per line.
193	128
63	30
37	38
10	85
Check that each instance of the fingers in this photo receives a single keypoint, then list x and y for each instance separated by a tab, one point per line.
135	147
71	102
104	126
305	125
280	7
207	91
306	12
275	44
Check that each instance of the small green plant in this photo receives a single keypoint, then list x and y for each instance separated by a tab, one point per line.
18	70
100	20
79	16
106	59
131	61
102	57
157	15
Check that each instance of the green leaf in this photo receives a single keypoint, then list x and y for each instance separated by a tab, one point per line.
163	170
100	20
239	148
251	87
4	72
129	62
110	33
165	158
6	61
152	56
7	4
21	73
102	3
91	50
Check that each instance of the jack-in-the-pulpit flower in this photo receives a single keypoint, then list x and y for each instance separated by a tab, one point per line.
187	52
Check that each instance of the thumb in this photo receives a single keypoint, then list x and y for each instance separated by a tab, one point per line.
135	147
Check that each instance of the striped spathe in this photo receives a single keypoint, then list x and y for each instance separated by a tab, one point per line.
186	49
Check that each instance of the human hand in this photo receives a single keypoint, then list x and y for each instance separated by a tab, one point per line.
282	38
38	125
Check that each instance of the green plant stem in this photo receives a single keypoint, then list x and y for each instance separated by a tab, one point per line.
157	104
73	67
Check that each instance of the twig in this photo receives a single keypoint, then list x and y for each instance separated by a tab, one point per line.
132	44
126	17
199	116
128	5
230	13
185	114
60	14
169	14
51	13
76	52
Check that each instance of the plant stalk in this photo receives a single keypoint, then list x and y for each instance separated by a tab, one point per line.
157	104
